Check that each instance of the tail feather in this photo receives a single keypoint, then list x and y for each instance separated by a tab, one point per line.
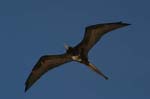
97	70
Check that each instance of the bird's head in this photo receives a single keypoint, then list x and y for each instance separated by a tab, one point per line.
69	49
66	46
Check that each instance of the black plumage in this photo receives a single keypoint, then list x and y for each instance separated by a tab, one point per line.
78	53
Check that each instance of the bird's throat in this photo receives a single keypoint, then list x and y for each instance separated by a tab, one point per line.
76	58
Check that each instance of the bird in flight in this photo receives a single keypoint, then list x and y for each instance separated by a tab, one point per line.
78	53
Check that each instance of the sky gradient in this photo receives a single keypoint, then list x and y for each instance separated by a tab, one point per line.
32	28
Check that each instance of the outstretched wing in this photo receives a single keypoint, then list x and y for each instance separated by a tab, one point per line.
95	32
44	64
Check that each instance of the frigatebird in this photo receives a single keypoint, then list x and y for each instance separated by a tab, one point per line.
79	53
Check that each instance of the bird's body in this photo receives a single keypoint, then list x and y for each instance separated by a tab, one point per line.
79	53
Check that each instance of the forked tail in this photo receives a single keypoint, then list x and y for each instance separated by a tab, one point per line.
90	65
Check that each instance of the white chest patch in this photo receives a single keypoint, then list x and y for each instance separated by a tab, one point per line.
76	58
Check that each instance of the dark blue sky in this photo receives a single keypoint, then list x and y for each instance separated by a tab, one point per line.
31	28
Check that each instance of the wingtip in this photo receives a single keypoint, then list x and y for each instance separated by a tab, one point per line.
25	91
125	24
120	23
26	88
106	78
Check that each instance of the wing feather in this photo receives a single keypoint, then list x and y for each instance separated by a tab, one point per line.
93	34
44	64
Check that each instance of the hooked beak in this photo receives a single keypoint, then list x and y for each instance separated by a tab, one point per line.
66	46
